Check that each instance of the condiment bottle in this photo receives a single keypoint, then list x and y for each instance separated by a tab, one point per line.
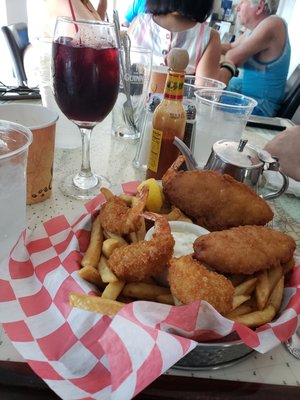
169	117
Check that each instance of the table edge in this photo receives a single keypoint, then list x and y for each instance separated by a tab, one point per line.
17	378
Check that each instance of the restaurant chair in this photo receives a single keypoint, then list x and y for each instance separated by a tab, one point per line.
16	36
17	40
291	100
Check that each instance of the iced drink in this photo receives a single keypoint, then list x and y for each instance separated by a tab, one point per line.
14	142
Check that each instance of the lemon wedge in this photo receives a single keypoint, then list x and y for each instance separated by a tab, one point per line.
155	197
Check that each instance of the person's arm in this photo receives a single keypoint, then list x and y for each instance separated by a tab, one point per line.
209	64
225	47
101	9
260	41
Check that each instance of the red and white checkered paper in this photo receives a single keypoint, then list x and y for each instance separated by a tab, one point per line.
83	355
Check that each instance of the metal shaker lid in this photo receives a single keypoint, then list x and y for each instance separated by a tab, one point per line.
237	153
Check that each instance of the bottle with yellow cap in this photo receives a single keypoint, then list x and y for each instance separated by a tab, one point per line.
169	117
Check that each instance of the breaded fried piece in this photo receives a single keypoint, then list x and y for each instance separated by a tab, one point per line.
117	217
145	258
190	281
213	200
245	249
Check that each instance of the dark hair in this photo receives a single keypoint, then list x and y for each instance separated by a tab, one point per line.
197	10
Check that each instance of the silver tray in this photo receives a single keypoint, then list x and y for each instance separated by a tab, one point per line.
214	355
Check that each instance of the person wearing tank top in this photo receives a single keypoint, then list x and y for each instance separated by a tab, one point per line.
167	25
262	54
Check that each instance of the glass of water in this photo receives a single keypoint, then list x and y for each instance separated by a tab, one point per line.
14	142
221	114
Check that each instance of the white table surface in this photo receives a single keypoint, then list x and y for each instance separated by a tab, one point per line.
113	158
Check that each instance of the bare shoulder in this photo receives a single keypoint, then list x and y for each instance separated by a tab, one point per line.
272	24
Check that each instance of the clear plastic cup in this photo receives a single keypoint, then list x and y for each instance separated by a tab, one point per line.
14	142
220	115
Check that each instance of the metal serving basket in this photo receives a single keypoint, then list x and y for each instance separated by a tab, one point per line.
215	355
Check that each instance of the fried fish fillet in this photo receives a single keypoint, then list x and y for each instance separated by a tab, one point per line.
213	200
245	249
190	281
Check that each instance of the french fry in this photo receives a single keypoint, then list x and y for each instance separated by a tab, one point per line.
105	272
240	310
165	299
236	279
245	287
149	280
110	235
173	215
140	234
124	299
133	237
257	318
144	291
287	267
109	245
277	294
90	274
274	275
93	252
95	304
262	289
112	290
184	218
252	303
239	299
177	302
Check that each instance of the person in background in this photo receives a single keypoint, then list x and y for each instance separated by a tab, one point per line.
41	21
262	54
101	9
181	24
136	7
49	10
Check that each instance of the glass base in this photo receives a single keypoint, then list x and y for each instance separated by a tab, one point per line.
70	189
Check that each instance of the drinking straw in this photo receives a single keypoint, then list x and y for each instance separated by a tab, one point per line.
73	14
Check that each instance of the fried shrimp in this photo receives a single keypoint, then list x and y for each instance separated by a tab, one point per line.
145	258
190	281
117	217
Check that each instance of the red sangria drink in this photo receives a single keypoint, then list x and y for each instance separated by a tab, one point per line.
85	82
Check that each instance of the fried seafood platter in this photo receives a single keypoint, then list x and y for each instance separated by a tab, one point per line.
213	200
239	271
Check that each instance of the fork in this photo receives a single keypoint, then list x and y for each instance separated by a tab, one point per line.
127	110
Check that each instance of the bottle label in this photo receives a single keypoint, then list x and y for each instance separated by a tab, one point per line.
155	150
174	86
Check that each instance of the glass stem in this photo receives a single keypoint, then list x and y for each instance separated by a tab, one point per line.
85	170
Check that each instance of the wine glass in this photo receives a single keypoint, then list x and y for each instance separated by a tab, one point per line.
85	82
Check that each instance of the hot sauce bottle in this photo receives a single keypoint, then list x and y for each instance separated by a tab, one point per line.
169	117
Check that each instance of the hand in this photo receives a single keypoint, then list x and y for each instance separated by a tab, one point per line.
286	147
